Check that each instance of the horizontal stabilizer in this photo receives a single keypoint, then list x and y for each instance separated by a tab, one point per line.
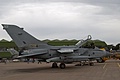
13	51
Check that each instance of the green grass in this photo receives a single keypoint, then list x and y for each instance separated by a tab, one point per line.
62	43
5	54
7	44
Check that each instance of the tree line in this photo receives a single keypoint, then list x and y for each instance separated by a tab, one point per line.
65	42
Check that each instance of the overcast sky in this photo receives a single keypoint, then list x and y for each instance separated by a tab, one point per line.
63	19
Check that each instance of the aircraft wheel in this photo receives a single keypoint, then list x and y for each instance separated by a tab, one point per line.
62	65
92	64
100	60
54	65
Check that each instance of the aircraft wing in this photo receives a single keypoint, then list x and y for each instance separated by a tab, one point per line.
32	53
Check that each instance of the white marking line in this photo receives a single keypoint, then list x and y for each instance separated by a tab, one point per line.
104	72
118	65
104	66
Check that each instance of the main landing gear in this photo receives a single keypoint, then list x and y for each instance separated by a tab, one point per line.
100	60
54	65
62	65
82	63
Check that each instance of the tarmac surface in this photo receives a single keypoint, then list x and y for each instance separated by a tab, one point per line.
110	70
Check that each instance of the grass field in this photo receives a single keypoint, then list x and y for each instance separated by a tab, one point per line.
7	45
5	55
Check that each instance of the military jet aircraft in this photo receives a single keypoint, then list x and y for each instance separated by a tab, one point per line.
34	48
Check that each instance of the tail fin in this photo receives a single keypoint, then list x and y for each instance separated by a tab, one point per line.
22	38
13	52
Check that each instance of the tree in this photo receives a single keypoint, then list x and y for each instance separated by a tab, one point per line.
3	40
117	47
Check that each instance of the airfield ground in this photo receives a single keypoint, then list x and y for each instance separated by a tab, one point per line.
110	70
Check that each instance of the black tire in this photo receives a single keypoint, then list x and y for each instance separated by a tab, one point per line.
62	66
91	64
54	65
100	60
